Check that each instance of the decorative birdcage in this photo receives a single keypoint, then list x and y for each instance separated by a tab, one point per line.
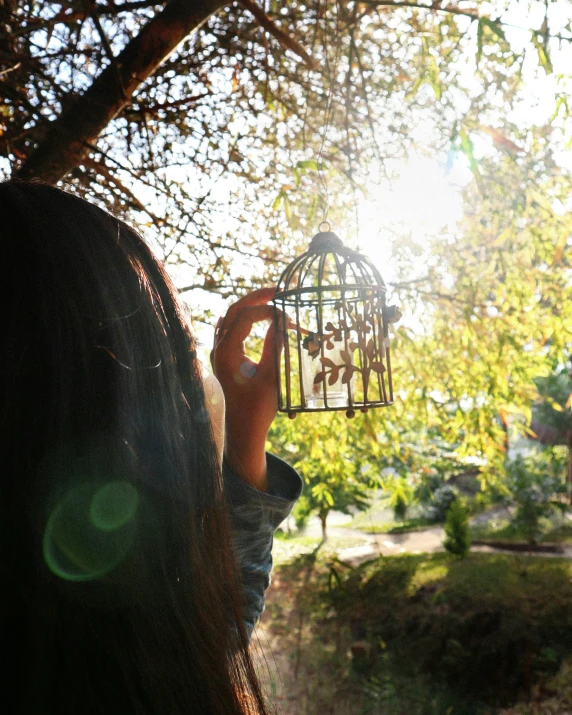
335	331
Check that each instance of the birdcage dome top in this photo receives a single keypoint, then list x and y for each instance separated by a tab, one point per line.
329	264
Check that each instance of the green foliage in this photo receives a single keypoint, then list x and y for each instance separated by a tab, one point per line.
232	105
458	540
399	495
555	407
496	313
491	310
478	631
333	463
533	489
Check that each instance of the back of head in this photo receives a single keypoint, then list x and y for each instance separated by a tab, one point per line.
120	593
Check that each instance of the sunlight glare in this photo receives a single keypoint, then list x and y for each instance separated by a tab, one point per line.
424	199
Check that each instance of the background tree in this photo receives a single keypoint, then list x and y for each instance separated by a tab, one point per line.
552	416
332	459
494	307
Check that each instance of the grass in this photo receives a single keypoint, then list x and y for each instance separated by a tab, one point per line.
554	699
431	634
416	524
560	534
379	519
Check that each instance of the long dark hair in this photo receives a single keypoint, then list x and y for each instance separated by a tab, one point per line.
118	587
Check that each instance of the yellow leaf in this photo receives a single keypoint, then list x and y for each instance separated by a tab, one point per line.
559	251
554	405
502	238
501	141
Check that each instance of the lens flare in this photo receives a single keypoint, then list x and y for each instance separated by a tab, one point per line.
113	506
91	530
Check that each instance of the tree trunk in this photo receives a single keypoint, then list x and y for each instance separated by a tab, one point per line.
323	517
70	135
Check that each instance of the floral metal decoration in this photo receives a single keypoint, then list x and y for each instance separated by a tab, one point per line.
336	335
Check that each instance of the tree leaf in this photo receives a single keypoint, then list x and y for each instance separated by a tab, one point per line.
433	75
543	56
494	26
480	27
308	164
467	149
287	209
501	141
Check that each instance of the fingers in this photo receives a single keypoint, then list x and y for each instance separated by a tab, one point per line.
257	297
232	342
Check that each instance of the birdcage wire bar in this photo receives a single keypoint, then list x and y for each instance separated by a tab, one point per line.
335	300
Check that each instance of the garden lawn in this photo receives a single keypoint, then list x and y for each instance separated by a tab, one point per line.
417	635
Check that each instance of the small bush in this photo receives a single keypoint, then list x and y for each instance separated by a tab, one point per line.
301	513
458	540
533	491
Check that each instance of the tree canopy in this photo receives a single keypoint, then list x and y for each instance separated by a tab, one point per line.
208	122
228	131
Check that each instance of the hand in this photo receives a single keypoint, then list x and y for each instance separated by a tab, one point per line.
250	388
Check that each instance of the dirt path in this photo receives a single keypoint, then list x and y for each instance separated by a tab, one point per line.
427	540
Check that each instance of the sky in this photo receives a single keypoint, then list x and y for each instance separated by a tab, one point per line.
424	195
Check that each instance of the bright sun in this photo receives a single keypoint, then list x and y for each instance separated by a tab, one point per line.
423	199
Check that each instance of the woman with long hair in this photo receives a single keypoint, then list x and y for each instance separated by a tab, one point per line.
133	563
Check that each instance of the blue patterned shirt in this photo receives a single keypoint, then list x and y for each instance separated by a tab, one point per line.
255	516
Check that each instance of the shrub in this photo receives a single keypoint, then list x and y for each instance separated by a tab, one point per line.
457	541
302	512
533	491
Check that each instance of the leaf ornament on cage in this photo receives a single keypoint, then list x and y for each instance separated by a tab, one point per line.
336	339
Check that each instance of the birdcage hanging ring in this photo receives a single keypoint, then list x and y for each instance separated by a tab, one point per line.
333	323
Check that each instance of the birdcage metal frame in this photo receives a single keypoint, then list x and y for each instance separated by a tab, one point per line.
360	303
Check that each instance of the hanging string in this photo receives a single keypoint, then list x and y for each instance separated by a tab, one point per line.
348	104
329	106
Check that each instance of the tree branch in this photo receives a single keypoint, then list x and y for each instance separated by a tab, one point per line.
66	143
452	10
33	24
283	38
114	179
473	14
